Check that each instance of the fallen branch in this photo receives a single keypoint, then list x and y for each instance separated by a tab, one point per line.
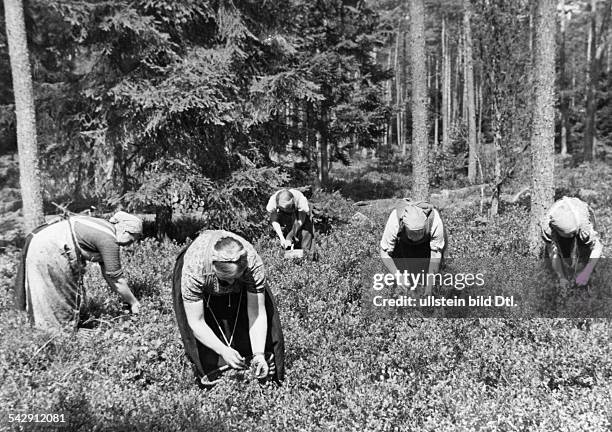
461	192
513	199
40	349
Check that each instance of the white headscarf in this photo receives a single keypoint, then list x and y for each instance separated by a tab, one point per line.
131	223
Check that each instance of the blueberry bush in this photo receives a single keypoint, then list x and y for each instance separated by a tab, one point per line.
348	369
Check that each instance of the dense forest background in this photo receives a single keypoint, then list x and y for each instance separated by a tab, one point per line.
190	113
186	107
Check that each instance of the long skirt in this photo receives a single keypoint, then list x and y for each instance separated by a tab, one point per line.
229	314
304	238
49	285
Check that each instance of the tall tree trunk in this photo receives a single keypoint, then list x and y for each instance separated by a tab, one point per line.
479	127
543	127
608	30
497	170
436	104
456	81
312	141
404	93
389	98
573	80
429	74
323	148
596	50
464	114
446	107
532	12
469	85
609	48
589	122
398	90
564	103
29	174
420	172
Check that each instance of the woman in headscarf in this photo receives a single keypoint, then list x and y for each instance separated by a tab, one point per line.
414	240
225	311
289	213
49	283
572	242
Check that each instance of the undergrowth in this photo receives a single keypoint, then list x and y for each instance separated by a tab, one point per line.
347	369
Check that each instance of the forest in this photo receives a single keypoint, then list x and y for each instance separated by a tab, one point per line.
192	113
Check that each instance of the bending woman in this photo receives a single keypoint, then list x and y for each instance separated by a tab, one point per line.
49	283
572	241
225	312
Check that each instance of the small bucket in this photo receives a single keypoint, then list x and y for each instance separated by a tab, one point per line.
294	253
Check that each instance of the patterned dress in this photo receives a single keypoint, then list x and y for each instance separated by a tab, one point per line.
194	280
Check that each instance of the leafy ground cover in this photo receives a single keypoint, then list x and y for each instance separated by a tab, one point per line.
347	368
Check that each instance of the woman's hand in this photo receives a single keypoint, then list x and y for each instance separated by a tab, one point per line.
260	366
135	308
583	278
232	358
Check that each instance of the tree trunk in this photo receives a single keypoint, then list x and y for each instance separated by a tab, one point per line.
609	48
455	87
29	174
420	172
469	92
479	128
496	126
464	114
436	104
323	148
564	103
608	30
532	12
446	107
389	99
428	69
543	126
573	95
398	90
312	142
589	122
403	93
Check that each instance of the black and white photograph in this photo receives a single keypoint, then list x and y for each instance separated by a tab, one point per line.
306	215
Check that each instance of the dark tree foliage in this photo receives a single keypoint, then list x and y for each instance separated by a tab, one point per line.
325	76
152	102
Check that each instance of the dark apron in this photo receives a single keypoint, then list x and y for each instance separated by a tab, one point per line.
413	256
226	308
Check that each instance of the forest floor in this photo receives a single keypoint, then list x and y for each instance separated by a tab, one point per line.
348	367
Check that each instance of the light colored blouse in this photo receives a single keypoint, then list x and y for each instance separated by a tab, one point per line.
391	234
198	278
581	213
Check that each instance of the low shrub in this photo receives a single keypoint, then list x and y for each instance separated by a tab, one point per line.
347	368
